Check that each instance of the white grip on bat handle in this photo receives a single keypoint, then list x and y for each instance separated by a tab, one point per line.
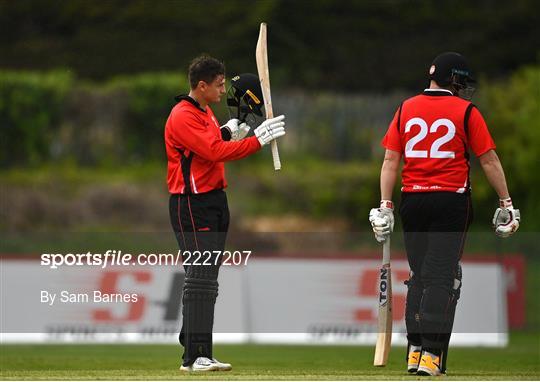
275	155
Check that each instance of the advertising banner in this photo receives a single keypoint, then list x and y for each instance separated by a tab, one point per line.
269	300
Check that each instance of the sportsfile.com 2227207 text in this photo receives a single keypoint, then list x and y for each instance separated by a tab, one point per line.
118	258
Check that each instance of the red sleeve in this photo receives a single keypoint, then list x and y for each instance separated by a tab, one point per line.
480	139
189	132
392	139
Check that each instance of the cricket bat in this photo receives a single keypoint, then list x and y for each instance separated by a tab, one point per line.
384	337
261	55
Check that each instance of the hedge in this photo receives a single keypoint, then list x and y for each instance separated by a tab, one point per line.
31	112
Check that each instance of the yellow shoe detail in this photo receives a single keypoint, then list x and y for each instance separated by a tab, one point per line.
430	365
413	361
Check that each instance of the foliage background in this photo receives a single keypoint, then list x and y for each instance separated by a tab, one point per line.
352	45
85	89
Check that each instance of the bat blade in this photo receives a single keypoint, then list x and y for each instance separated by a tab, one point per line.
384	336
261	55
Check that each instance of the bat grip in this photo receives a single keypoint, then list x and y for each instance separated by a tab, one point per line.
386	251
275	155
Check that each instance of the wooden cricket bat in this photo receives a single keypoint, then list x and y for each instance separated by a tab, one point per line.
261	55
384	337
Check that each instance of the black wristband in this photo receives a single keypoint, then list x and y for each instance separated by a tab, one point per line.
225	134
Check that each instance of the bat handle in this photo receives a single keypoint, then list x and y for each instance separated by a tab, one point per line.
275	155
386	251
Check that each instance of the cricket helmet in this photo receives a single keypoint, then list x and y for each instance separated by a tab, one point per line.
452	69
245	95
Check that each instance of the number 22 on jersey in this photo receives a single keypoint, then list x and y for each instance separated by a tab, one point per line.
435	150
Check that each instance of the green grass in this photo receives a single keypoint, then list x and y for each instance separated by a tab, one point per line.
520	360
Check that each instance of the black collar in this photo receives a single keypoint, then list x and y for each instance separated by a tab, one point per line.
185	97
437	92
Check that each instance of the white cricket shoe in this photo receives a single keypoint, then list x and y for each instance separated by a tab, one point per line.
222	365
201	364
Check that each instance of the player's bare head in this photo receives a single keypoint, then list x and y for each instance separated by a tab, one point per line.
204	68
451	70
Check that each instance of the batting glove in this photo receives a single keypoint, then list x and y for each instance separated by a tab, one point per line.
270	129
238	129
382	220
506	219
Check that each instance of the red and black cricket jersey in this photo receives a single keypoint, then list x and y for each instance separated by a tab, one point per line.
196	150
433	132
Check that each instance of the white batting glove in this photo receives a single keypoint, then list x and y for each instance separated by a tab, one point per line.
506	219
382	220
270	129
238	130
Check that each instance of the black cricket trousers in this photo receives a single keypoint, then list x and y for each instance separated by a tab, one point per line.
200	223
435	226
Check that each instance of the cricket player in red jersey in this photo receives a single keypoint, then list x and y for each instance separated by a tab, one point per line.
197	147
433	132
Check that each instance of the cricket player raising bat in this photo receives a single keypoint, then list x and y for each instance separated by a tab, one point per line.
433	132
197	147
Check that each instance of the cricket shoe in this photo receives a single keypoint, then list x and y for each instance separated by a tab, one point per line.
430	364
413	358
201	364
223	366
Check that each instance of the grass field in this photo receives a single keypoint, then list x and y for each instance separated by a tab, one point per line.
520	360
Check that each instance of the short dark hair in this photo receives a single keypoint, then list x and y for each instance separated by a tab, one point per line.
204	68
